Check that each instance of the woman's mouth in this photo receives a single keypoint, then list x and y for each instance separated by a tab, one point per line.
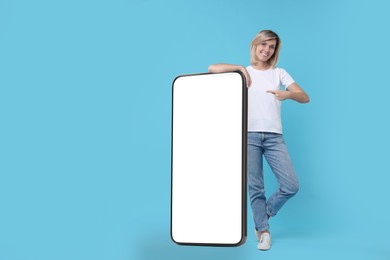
264	54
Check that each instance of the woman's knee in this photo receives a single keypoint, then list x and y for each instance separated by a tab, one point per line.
291	189
295	188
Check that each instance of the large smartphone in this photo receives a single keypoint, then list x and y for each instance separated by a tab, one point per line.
208	159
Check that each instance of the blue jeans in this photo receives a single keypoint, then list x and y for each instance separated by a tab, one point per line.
272	146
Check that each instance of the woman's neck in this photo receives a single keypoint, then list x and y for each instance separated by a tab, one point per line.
261	66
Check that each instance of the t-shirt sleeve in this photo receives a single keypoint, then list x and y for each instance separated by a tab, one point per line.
285	78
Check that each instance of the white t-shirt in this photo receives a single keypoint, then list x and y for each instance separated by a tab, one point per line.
264	110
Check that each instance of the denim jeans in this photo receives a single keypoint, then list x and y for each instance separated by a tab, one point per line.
272	146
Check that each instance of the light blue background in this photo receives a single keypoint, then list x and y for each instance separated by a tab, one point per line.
85	121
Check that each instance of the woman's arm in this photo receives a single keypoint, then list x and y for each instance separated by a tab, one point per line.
294	92
223	67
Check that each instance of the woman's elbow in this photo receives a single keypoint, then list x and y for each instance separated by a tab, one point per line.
212	68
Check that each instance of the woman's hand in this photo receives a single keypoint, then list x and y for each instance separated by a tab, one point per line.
247	77
293	92
280	94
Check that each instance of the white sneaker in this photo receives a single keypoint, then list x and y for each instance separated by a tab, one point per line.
265	241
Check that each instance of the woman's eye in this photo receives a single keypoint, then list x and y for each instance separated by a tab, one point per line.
263	43
272	47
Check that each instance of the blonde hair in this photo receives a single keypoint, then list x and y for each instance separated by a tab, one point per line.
262	36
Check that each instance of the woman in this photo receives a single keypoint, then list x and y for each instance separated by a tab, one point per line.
265	136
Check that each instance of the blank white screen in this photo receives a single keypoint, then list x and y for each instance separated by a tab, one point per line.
207	159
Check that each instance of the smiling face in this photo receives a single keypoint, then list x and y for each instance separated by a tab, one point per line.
265	50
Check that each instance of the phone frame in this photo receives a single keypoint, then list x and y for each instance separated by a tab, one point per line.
243	165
